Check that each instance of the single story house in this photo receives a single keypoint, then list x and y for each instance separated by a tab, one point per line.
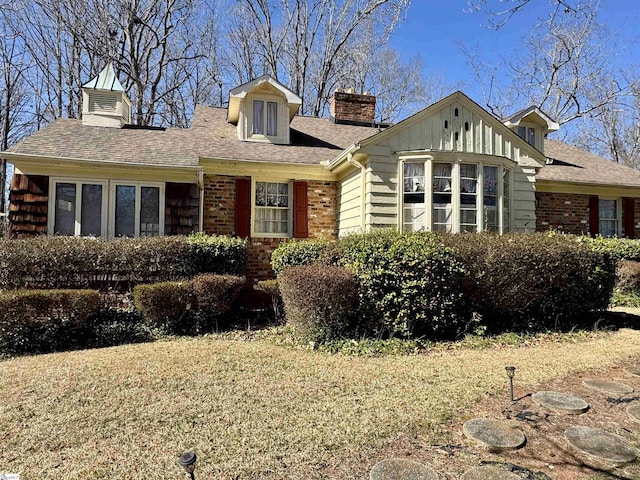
256	169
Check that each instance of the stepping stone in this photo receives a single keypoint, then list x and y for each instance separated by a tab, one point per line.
561	402
401	469
633	370
497	435
633	411
489	473
607	386
601	445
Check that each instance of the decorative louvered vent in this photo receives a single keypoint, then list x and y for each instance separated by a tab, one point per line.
102	102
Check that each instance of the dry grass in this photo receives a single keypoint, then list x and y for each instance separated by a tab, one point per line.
251	409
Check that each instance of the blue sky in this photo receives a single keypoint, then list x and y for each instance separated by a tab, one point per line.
432	29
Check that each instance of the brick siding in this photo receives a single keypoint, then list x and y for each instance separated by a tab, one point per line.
353	107
562	211
219	219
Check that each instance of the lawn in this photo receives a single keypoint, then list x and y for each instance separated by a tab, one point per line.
252	409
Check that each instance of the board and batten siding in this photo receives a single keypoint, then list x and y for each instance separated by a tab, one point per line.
350	203
478	136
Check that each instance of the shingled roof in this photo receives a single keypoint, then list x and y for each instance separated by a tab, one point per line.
574	165
313	140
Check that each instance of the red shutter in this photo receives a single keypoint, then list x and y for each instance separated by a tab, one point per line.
594	217
300	217
628	217
243	207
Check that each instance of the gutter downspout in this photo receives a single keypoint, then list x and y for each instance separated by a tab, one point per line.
363	185
201	201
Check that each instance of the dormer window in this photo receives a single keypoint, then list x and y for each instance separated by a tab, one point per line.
528	134
262	117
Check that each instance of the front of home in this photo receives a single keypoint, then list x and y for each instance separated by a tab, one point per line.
258	170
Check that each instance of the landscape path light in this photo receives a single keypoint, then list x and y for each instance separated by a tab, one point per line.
511	371
188	462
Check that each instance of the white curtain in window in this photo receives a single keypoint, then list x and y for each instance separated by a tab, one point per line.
258	117
272	119
441	177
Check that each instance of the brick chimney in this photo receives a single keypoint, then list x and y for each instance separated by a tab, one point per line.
352	108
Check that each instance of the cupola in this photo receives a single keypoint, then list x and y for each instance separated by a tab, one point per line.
104	101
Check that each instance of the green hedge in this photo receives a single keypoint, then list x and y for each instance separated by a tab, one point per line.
69	262
44	320
618	248
296	253
319	301
216	294
533	281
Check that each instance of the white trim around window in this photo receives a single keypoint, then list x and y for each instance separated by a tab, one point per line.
138	229
74	205
275	195
606	219
455	192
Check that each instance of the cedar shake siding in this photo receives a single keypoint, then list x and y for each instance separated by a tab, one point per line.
222	203
182	202
28	205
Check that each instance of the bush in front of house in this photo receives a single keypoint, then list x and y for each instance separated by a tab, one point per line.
70	262
533	281
218	254
45	320
410	284
319	301
296	253
272	288
628	276
216	294
163	303
617	248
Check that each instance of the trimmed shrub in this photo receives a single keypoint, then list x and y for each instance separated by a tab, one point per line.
218	254
70	262
216	293
163	303
44	320
410	284
628	275
318	300
272	288
618	248
533	281
295	253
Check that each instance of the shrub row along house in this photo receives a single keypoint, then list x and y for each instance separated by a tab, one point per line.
257	169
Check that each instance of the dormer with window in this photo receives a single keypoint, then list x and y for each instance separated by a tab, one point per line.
104	101
262	110
532	125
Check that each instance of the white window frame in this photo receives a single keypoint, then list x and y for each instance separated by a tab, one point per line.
429	160
618	219
265	99
254	232
78	182
138	185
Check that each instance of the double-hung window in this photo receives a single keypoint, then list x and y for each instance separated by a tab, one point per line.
272	209
137	209
78	208
265	118
608	217
528	134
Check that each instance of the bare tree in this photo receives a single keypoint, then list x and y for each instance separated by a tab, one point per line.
499	12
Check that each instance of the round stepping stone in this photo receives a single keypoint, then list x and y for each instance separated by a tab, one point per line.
494	434
607	386
561	402
401	469
633	370
601	445
489	473
633	411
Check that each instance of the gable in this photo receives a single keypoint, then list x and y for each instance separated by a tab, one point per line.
456	124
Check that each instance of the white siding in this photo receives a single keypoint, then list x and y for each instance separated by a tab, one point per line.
477	134
350	203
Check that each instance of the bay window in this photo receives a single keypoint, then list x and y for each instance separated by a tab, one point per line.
271	209
455	196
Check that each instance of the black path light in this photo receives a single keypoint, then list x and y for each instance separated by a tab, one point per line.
511	371
188	462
